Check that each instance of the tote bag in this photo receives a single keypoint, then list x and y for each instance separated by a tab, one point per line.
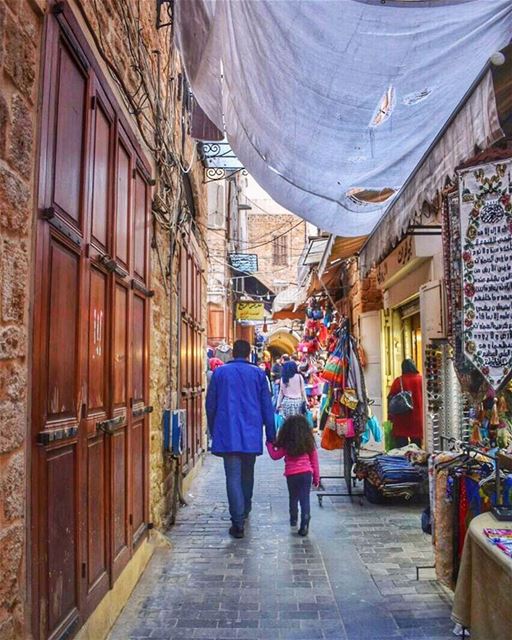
401	402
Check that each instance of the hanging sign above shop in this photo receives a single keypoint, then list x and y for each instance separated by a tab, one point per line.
486	252
250	311
244	262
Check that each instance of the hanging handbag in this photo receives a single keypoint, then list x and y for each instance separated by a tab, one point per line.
349	398
330	423
401	402
309	417
345	427
278	421
331	440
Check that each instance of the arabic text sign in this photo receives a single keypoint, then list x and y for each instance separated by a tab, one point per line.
250	311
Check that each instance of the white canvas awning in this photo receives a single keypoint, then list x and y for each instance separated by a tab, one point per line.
325	100
475	125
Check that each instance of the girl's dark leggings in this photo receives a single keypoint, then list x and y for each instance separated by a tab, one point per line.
299	488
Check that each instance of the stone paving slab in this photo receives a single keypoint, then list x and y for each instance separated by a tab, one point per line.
353	578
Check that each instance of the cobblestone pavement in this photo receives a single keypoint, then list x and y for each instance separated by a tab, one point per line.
353	578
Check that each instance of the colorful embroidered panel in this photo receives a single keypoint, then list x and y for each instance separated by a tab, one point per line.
486	243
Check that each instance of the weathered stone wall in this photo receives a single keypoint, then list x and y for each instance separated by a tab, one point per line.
21	26
261	228
362	294
20	36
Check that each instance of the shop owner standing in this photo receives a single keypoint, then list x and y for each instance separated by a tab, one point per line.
410	423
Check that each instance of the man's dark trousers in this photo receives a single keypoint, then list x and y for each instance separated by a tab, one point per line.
239	468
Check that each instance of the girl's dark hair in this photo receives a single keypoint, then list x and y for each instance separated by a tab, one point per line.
295	436
289	370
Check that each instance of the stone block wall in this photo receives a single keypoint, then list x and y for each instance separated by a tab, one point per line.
362	294
261	228
20	37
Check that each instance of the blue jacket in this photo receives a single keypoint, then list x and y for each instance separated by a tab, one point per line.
238	404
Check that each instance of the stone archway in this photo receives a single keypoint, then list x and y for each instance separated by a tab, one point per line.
282	341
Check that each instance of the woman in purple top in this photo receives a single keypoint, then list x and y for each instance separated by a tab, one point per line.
292	393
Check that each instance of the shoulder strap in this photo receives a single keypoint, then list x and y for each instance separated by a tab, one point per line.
401	384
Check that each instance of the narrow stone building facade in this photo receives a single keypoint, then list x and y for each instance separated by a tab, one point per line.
102	304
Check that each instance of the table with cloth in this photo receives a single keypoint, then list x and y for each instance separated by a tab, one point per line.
483	596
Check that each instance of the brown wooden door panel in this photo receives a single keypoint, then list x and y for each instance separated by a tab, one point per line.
97	348
69	128
120	347
138	352
97	565
120	539
140	226
62	528
124	203
138	477
62	332
101	176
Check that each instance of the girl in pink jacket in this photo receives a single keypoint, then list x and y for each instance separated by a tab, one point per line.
296	444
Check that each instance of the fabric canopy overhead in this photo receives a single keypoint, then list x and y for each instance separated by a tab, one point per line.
325	101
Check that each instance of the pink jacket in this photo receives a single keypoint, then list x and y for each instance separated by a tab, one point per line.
306	463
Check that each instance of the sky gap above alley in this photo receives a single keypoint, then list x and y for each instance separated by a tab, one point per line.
321	99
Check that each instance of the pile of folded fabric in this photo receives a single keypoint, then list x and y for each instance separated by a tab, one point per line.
392	476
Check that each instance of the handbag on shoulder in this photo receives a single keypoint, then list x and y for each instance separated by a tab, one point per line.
401	402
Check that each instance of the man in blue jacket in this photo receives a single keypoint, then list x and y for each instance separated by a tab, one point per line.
238	405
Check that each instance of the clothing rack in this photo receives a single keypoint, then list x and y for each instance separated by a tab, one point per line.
467	448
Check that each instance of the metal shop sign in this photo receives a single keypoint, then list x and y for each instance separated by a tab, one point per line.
244	262
486	252
250	311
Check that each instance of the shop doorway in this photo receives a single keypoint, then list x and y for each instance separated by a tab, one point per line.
412	342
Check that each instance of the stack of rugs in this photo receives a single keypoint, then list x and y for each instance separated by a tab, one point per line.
392	476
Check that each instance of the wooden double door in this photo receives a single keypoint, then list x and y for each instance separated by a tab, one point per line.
89	481
192	350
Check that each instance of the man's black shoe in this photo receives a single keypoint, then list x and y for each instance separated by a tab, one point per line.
304	527
293	522
236	532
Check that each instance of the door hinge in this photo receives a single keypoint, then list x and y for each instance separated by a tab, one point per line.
93	102
83	412
84	569
130	519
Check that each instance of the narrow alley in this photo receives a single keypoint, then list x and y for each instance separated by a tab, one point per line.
353	578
